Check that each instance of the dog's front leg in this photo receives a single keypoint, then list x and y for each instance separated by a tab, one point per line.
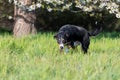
72	45
67	49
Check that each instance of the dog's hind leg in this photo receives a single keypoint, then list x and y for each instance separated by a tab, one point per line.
85	44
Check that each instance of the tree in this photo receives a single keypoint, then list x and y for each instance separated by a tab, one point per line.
25	11
24	20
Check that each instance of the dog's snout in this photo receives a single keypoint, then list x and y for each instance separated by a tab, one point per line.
61	47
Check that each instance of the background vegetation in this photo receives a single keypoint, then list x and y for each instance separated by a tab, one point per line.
53	20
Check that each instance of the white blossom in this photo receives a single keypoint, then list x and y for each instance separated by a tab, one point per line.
95	1
118	15
102	5
38	5
10	17
79	6
15	2
49	9
32	7
10	1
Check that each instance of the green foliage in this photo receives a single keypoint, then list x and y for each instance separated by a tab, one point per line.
38	58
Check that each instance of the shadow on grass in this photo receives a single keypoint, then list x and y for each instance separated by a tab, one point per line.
4	32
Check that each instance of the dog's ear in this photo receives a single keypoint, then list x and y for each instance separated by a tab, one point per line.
55	36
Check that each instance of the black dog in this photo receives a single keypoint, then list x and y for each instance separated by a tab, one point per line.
70	35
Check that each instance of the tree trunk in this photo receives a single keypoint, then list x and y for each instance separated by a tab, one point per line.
24	21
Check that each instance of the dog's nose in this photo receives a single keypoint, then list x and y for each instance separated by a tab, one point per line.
61	47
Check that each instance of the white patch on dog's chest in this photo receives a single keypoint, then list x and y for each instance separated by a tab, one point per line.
76	43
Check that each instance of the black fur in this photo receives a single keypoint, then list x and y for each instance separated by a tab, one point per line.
71	33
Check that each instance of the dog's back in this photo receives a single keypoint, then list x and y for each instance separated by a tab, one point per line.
70	28
79	31
74	32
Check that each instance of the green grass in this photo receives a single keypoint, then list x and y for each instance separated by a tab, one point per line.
38	58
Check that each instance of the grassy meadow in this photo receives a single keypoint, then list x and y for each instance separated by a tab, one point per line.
37	58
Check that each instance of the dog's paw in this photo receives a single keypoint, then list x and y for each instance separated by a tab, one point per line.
66	50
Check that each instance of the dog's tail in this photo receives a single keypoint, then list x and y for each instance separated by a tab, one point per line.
94	33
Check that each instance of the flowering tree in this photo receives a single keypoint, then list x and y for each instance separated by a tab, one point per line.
25	10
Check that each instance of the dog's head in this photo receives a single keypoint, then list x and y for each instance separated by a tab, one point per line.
61	38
